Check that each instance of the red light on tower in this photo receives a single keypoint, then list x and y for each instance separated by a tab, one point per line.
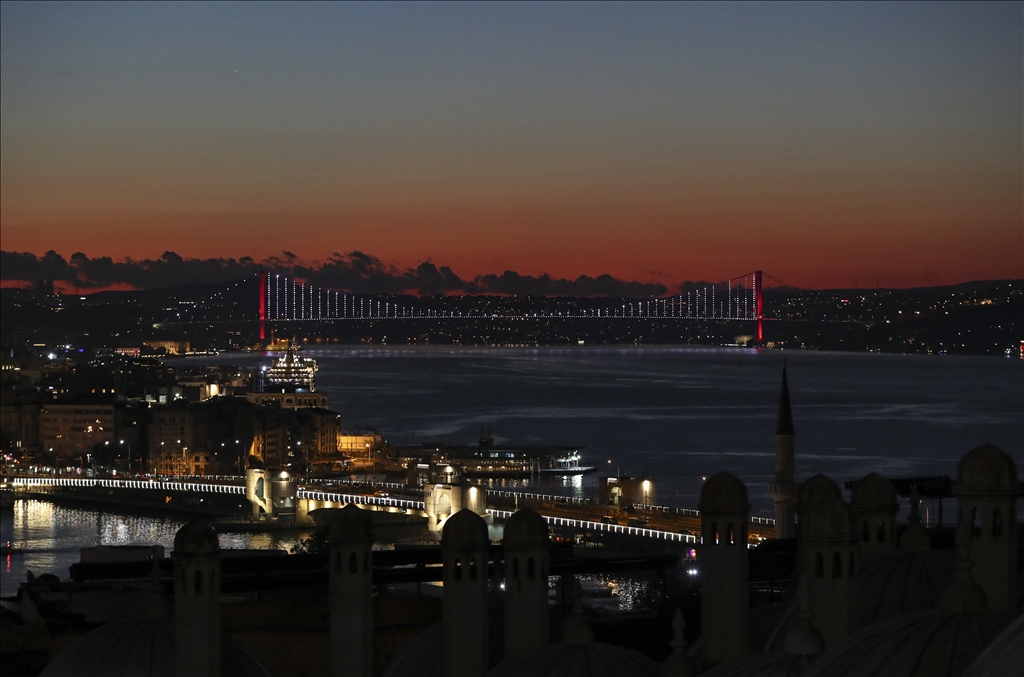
263	306
759	305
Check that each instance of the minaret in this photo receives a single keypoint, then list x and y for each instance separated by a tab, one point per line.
986	492
196	559
724	510
827	551
464	544
350	539
783	489
874	504
526	583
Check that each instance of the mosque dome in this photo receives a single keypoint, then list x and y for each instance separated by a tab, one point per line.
987	469
525	528
350	524
142	648
465	529
893	583
922	643
724	493
582	660
874	493
1003	656
198	537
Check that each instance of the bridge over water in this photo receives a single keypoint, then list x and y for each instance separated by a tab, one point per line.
677	525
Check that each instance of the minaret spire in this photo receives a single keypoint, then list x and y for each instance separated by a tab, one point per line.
784	422
783	489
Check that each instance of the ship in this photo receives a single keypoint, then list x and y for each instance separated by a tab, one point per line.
485	459
292	371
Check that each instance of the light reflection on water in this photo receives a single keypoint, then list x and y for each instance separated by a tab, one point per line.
623	592
53	535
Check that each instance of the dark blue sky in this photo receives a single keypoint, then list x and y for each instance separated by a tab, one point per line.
828	142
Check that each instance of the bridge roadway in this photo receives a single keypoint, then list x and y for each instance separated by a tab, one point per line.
672	524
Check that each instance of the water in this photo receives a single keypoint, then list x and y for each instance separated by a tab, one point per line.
52	537
681	413
686	413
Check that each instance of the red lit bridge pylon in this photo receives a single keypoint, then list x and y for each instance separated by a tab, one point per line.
286	299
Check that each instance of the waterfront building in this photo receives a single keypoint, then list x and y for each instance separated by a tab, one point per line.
70	431
199	438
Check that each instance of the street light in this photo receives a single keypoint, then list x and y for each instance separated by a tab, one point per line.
129	455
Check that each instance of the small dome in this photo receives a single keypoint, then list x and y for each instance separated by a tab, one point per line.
874	493
465	529
771	664
918	644
350	524
829	519
1003	655
986	469
582	660
198	537
815	489
893	583
142	648
525	529
724	493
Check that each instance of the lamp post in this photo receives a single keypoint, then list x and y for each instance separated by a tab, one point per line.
128	444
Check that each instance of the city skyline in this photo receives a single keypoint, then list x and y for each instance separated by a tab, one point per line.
835	145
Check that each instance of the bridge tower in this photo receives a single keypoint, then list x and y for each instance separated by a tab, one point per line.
451	494
759	304
263	306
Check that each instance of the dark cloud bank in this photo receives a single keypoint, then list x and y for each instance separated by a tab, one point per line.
355	272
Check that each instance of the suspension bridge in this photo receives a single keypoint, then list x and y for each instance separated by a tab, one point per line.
283	298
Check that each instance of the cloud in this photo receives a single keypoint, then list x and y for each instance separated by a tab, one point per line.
355	271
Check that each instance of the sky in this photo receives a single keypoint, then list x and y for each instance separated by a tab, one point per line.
828	144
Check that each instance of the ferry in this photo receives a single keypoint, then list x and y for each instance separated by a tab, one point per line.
487	460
